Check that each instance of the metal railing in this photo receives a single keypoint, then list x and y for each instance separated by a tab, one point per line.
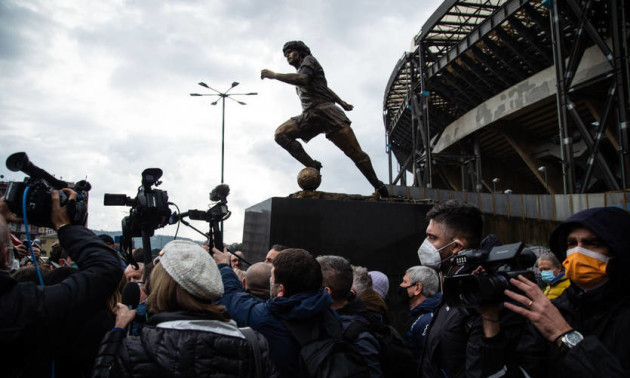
555	207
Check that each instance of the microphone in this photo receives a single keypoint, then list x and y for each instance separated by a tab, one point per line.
131	295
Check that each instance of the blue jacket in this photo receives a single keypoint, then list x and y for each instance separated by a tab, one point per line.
266	317
420	318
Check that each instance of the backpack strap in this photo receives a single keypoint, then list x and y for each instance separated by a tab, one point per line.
306	331
302	332
352	332
252	340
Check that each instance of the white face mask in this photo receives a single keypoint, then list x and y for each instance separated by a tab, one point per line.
430	256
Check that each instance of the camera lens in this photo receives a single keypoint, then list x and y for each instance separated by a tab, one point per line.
474	290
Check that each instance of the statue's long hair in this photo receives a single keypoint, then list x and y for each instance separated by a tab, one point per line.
298	46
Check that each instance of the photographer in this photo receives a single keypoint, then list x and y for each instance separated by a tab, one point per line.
38	321
584	332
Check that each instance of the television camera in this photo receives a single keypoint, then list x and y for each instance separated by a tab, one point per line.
500	264
31	198
149	211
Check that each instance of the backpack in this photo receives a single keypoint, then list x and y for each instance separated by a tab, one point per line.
324	352
396	358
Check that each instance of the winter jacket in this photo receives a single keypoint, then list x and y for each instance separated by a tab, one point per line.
366	344
266	317
602	316
181	344
420	317
46	320
376	305
556	287
452	343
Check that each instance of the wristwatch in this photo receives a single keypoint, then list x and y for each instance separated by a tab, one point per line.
569	340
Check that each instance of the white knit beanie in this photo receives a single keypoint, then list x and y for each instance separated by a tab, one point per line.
380	283
192	268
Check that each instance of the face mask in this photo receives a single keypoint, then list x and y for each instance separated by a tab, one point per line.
585	268
430	256
547	276
403	295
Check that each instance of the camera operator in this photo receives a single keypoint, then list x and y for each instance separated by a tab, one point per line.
452	345
41	322
584	332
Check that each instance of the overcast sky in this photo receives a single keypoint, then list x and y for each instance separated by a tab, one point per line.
100	90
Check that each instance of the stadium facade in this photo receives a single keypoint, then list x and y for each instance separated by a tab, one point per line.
514	97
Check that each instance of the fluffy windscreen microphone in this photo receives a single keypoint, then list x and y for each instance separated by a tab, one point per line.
220	193
131	295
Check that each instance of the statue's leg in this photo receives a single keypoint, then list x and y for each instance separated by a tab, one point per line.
348	143
286	135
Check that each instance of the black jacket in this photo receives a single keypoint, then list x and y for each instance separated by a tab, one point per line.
452	344
602	316
44	321
180	344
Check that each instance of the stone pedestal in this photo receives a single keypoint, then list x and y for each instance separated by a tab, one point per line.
379	235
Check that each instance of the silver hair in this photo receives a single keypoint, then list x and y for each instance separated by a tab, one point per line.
333	262
428	277
361	280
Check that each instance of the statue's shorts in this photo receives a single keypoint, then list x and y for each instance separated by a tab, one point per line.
324	118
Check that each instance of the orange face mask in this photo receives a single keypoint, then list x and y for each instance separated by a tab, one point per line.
585	268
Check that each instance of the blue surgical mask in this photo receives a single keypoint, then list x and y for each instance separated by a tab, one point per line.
547	276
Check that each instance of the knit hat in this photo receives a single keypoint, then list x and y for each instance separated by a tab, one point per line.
192	268
380	283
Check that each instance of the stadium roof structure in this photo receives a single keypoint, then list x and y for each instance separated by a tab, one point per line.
534	93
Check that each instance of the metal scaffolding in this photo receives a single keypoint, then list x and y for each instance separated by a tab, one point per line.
532	94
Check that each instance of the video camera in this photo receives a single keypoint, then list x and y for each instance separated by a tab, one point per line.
216	214
500	264
149	210
38	188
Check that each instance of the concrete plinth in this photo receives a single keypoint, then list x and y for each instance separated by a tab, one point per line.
378	235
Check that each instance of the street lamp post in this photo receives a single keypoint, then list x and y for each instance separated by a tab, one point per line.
494	184
543	169
223	96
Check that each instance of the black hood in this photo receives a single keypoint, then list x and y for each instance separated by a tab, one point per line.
610	224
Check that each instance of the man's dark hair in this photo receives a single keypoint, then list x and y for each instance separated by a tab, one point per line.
57	275
336	275
57	252
460	219
297	270
106	239
29	274
298	46
279	247
138	255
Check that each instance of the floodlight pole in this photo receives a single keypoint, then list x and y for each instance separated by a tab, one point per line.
223	96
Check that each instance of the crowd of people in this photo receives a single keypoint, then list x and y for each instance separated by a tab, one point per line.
200	311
